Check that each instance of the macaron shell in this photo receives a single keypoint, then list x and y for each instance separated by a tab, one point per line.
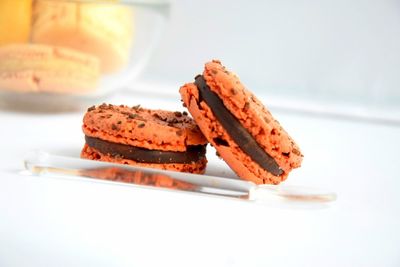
253	115
42	68
151	129
101	29
237	160
195	167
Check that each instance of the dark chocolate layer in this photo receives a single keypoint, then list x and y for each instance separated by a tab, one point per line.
236	131
142	155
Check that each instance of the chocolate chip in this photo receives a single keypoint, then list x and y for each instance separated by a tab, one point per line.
114	127
132	116
103	106
141	125
184	113
220	141
246	106
214	71
179	133
286	154
91	108
119	122
178	114
296	152
136	107
173	120
233	91
184	105
157	116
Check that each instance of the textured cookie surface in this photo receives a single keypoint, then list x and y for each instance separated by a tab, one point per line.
252	115
149	138
136	126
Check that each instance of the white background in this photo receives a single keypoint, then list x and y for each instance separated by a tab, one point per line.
51	222
344	52
340	51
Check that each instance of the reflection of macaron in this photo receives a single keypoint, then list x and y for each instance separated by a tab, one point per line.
104	30
42	68
238	125
136	177
149	138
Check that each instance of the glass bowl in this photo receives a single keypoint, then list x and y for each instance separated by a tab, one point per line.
62	55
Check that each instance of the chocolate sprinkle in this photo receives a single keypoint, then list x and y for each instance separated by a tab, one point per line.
179	133
132	116
103	106
91	108
157	116
236	131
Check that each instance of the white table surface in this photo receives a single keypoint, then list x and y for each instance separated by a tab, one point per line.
53	222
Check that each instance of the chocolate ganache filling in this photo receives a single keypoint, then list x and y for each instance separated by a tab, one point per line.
234	128
143	155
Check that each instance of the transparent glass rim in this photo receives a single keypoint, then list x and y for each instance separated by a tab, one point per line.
121	2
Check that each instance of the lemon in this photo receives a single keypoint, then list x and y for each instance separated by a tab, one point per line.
15	21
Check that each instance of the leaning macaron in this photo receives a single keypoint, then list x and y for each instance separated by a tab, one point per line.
240	127
143	137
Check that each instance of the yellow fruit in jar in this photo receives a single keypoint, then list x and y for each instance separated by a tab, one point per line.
15	21
104	30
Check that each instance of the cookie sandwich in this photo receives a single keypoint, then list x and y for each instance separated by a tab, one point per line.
242	130
143	137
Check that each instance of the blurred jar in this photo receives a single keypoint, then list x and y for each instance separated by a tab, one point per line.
60	55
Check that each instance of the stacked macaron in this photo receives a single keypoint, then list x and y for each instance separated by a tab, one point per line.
49	46
225	113
42	68
143	137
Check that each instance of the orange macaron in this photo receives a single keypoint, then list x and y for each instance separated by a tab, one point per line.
242	130
143	137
